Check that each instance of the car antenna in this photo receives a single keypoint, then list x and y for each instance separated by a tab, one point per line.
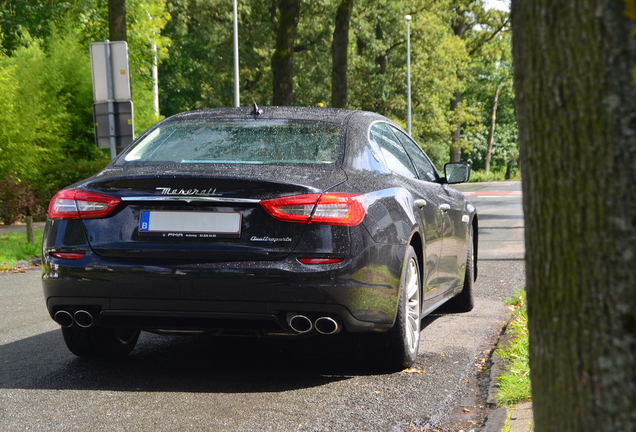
256	111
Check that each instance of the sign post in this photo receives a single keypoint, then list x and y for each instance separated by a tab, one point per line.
112	111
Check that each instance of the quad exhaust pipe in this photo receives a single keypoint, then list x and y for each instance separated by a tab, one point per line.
323	325
326	325
82	318
63	318
300	324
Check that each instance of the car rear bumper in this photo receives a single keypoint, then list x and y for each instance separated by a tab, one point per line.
175	317
244	297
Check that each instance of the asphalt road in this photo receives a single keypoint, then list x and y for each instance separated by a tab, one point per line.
208	384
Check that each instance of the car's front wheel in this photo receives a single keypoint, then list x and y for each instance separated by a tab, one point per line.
100	342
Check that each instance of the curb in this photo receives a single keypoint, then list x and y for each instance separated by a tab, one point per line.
515	419
496	420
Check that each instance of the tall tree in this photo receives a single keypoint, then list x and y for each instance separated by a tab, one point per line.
283	57
340	47
493	125
475	26
117	20
575	78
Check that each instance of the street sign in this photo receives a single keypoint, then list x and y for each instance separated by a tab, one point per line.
117	53
112	110
122	127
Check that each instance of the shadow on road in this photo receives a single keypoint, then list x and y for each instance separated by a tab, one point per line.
186	364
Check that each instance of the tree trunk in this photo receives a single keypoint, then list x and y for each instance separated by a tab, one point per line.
117	20
575	66
459	28
283	57
493	122
382	58
339	50
456	149
29	226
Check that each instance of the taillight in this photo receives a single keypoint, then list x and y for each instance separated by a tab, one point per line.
342	209
80	204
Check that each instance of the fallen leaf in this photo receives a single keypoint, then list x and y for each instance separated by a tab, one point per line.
412	370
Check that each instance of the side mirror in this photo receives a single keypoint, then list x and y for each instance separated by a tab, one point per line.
457	172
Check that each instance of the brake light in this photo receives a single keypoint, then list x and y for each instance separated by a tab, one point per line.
342	209
80	204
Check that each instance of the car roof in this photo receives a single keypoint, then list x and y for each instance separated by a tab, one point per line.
330	115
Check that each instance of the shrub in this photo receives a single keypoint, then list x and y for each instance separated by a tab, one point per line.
16	199
483	176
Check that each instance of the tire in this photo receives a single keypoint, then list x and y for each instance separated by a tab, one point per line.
100	342
465	300
397	348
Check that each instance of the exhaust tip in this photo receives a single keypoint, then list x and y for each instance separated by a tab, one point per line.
300	324
84	318
327	325
63	318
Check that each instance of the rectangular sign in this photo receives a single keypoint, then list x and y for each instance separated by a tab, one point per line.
120	74
123	129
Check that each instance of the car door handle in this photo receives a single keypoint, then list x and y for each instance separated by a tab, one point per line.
445	207
420	203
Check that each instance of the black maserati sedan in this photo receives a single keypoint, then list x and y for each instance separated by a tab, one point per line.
274	221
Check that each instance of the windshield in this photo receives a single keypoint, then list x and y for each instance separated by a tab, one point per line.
238	142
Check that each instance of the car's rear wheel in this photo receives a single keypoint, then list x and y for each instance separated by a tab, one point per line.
100	342
397	348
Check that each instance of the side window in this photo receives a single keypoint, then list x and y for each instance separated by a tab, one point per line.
424	166
394	154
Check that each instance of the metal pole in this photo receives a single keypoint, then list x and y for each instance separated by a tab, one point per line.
237	102
408	72
155	81
111	105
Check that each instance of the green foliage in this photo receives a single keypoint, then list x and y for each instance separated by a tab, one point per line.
22	20
514	384
378	67
15	247
199	70
46	112
492	69
483	176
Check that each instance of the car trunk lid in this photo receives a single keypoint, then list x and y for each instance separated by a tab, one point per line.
197	215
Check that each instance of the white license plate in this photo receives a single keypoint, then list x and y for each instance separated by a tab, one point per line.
190	222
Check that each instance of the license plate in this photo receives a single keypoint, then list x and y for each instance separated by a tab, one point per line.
190	224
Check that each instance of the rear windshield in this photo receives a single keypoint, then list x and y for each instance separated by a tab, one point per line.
239	142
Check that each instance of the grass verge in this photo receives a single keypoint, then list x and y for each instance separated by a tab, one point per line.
514	385
483	176
15	247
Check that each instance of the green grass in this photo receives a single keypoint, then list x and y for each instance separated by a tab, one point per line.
514	384
15	247
483	176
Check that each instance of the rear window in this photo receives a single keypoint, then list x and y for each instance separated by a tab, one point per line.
239	142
